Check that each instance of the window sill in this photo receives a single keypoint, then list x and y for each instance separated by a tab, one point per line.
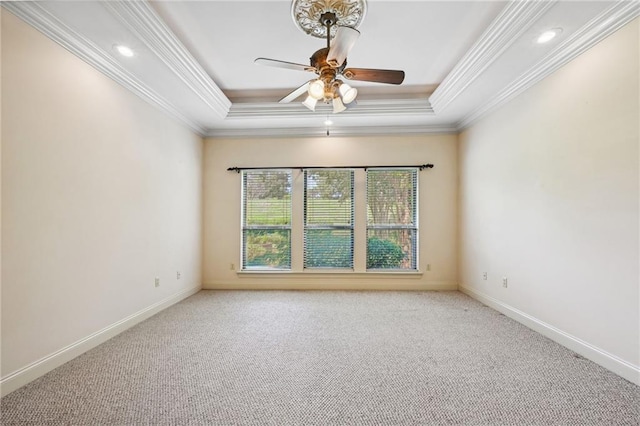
333	272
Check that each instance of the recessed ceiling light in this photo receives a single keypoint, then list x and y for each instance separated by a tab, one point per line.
124	50
548	35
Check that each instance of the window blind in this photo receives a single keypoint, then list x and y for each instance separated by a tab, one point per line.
266	219
328	218
392	230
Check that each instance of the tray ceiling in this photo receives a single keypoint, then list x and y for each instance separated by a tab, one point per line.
194	59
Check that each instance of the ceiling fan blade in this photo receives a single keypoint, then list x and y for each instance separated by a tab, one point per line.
283	64
342	43
374	75
296	93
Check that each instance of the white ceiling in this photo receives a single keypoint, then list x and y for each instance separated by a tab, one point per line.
194	59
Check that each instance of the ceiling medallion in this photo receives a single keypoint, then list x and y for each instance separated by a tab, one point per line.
307	15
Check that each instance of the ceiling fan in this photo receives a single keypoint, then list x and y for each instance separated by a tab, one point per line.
329	63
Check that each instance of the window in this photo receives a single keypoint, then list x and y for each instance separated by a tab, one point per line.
266	219
392	231
328	218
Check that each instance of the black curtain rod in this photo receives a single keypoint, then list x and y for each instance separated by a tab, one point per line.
420	166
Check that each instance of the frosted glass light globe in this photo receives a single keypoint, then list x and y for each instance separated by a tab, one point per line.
316	89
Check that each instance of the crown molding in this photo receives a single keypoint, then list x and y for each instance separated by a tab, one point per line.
298	132
386	107
514	19
602	26
140	18
42	20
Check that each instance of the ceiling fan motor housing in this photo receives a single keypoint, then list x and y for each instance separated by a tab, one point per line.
319	61
327	73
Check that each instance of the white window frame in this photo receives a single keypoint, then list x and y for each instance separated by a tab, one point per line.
350	227
413	227
245	227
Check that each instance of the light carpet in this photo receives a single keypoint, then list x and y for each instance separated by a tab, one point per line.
327	358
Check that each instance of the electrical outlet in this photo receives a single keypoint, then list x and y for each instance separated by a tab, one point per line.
232	266
428	266
157	282
484	276
178	275
504	282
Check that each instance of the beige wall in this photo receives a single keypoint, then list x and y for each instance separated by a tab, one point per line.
549	194
101	193
437	207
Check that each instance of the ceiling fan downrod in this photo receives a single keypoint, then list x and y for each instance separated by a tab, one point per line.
328	19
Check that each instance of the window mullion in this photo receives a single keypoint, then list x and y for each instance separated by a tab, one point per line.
360	222
297	221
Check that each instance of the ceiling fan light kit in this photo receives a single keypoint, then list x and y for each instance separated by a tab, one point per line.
327	18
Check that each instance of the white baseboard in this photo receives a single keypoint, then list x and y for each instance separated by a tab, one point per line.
610	362
318	283
39	368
